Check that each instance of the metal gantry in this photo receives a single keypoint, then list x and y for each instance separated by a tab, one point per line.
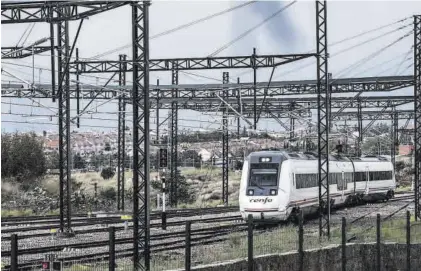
276	89
197	63
225	140
237	118
254	66
323	118
174	142
14	12
121	137
417	113
360	127
65	155
394	136
141	153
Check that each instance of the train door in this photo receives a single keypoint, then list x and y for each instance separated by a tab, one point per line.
342	184
367	178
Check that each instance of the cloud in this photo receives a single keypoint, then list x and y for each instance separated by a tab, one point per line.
281	27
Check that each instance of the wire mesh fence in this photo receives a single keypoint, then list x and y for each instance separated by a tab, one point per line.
367	243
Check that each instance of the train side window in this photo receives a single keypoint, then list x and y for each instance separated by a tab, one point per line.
306	180
380	175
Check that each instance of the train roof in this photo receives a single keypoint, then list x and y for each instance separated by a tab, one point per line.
294	155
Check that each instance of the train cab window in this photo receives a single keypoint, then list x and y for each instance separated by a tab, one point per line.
263	177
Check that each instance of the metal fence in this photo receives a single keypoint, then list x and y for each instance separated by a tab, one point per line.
249	244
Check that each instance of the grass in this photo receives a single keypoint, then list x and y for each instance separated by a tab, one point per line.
16	212
403	189
283	239
24	212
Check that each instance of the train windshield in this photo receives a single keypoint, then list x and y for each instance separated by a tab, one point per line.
263	177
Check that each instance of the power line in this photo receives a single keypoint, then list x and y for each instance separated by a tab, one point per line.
301	67
177	28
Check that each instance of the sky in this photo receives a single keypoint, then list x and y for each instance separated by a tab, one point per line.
291	31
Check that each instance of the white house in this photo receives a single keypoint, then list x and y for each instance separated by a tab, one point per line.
205	154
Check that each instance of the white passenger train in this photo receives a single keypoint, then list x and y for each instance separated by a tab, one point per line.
276	184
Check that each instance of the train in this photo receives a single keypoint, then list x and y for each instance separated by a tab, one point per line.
277	185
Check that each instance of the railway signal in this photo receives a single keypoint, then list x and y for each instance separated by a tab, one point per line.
163	158
163	214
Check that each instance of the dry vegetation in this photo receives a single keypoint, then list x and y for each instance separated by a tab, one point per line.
205	185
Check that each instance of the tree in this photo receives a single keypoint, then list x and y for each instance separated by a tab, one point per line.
22	156
79	162
189	158
107	146
107	173
184	192
99	160
53	160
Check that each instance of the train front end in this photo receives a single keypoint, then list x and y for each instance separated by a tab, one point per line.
260	192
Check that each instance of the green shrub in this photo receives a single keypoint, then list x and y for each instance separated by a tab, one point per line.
109	193
107	173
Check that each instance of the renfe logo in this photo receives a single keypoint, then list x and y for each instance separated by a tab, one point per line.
261	200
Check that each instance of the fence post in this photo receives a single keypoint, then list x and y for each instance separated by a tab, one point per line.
250	243
301	241
187	260
343	243
408	240
14	253
378	257
111	247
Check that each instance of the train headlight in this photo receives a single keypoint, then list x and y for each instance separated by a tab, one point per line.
272	192
250	192
265	159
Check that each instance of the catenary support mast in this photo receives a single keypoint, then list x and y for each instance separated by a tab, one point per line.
173	141
121	137
322	117
141	153
225	138
417	113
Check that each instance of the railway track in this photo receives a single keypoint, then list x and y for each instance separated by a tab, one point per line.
28	220
198	236
122	228
159	241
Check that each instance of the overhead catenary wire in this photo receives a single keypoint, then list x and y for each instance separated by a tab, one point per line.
364	60
379	64
178	28
369	31
404	59
333	44
29	27
301	67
